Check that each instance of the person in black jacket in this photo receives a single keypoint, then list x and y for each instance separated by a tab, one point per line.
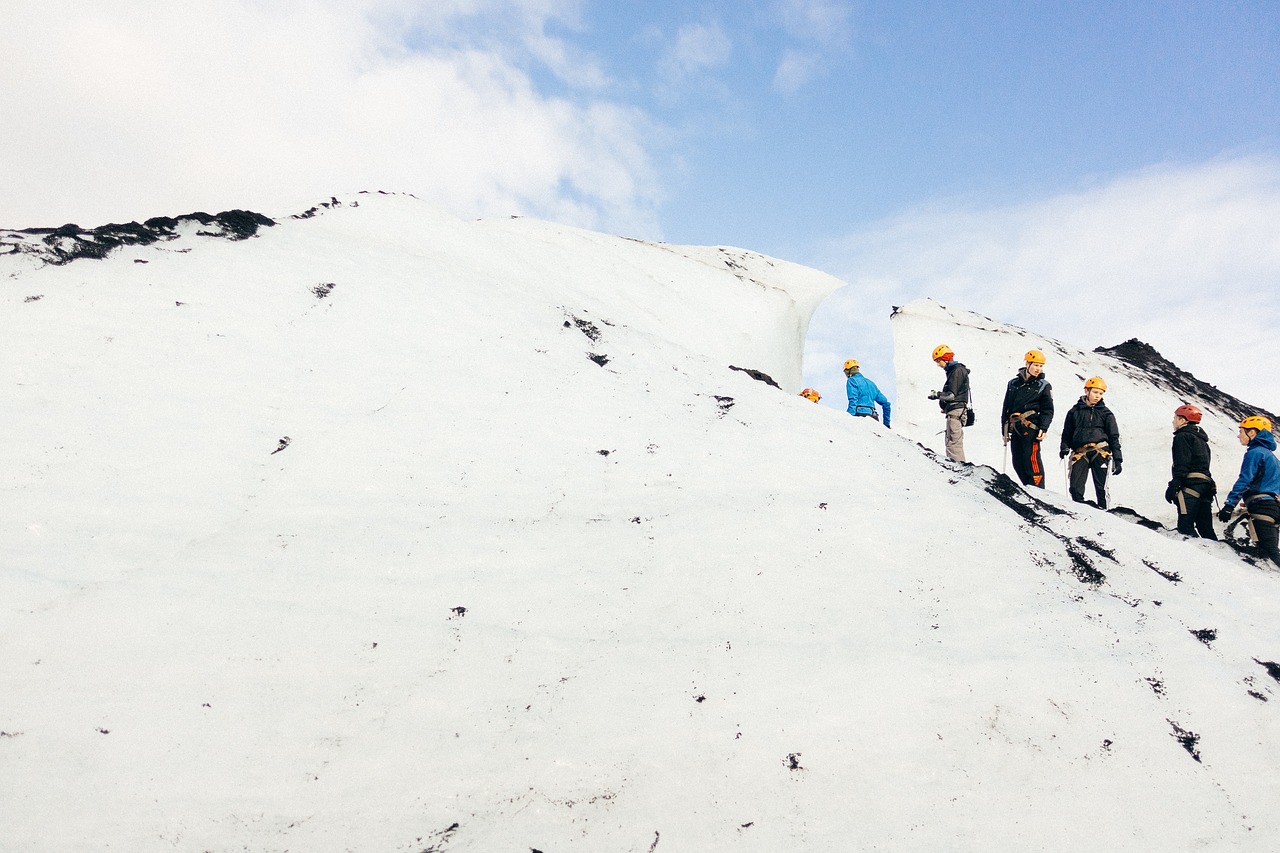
1192	488
1090	435
953	399
1028	411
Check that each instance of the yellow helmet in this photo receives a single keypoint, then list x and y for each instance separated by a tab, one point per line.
811	395
1034	357
851	364
1095	382
942	351
1256	422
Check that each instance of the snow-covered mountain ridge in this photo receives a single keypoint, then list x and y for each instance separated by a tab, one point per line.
70	242
1156	368
384	531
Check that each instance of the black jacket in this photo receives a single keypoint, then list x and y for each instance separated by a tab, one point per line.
1087	424
1190	454
955	390
1026	393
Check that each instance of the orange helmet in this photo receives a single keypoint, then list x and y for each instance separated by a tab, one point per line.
944	352
1256	422
811	395
1034	357
851	364
1095	382
1190	412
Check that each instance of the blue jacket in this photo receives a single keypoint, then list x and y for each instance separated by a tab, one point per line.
1259	472
862	394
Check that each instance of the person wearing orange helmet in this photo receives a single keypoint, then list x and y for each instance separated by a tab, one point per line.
863	394
1258	486
1028	411
1090	435
953	399
1191	489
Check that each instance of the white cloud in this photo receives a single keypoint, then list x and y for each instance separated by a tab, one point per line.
120	112
696	48
795	69
1183	257
822	21
819	31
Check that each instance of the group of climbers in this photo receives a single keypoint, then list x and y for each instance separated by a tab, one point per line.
1089	432
1091	437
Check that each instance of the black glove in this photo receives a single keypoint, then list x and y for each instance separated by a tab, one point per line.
1062	453
1115	465
933	395
1170	494
1224	514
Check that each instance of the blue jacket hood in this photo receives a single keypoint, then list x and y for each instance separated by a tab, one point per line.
1264	438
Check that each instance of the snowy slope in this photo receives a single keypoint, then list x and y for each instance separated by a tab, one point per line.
536	570
993	351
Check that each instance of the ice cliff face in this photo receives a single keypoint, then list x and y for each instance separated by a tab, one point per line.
383	530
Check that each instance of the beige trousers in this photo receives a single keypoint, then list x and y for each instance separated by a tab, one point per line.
955	435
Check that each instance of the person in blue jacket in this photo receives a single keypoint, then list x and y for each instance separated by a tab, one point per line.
1258	486
863	394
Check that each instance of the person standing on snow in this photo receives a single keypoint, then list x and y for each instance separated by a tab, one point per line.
1191	489
1027	413
863	393
1090	435
1258	486
953	399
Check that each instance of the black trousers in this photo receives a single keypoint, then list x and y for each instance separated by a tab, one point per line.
1100	466
1264	515
1025	451
1195	512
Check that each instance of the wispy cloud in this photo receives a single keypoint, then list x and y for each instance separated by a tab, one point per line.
1184	257
827	22
696	48
795	69
157	107
817	32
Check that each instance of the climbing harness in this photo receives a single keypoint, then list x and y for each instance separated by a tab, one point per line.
1024	418
1194	492
1241	529
1096	448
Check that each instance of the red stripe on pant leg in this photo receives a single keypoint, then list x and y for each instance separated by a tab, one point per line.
1037	473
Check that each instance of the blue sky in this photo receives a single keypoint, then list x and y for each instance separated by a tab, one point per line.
901	102
981	153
